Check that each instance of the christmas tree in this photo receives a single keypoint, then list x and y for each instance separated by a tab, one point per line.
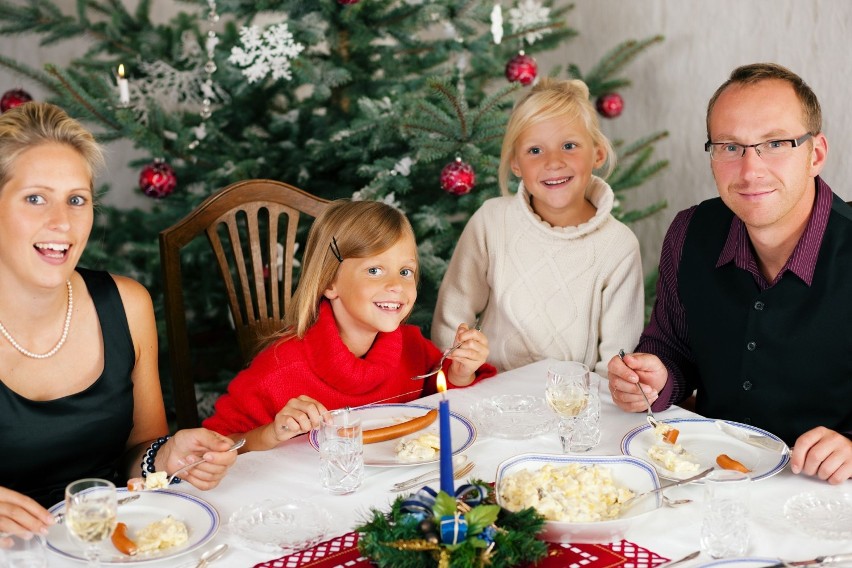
402	101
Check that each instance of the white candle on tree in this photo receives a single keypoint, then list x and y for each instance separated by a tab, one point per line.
123	87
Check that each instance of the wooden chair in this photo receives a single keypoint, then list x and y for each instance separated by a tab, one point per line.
242	223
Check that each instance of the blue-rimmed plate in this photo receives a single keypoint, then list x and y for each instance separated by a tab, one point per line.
383	454
701	438
750	562
200	518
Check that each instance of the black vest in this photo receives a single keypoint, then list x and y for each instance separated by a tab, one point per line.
780	359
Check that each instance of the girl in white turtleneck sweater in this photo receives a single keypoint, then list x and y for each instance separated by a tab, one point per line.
548	271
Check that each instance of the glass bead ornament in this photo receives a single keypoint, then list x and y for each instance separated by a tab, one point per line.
609	105
521	68
157	179
13	98
458	177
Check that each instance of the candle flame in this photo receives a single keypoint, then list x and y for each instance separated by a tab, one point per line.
441	381
121	70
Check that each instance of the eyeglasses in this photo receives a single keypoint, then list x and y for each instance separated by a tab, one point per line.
731	152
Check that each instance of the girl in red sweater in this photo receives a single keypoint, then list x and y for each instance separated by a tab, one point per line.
345	343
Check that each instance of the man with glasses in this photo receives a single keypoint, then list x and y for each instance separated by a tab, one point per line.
754	299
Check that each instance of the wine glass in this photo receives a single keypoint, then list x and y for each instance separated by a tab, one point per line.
567	394
90	515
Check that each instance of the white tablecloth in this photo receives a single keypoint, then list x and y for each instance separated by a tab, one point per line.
292	471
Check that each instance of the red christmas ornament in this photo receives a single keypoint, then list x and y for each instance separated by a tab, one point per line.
457	177
522	68
157	179
610	105
347	2
13	98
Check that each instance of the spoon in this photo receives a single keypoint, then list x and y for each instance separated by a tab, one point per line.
675	502
211	555
641	496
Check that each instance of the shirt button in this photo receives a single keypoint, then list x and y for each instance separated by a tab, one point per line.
751	346
747	385
759	305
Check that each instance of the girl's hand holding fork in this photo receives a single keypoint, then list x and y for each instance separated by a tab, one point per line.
471	353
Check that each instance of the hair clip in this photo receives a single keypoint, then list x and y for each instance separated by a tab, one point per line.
335	250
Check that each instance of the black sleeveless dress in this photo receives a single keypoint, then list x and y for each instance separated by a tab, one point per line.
47	444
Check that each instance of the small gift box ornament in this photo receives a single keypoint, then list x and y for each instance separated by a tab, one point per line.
453	528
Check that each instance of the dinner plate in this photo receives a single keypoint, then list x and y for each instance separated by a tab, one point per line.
383	454
280	525
822	514
201	519
516	416
750	562
701	438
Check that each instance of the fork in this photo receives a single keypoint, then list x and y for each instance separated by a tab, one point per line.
652	420
237	445
457	474
477	326
458	462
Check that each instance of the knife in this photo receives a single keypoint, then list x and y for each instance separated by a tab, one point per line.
752	439
60	517
818	561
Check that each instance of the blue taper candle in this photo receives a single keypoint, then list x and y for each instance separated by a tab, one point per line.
447	484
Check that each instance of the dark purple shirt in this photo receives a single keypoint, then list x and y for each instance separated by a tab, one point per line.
666	335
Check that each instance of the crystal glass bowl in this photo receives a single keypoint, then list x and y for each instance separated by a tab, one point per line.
515	416
280	525
822	514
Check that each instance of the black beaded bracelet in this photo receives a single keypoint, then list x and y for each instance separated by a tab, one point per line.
151	455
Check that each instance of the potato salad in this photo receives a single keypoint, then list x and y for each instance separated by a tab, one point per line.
571	493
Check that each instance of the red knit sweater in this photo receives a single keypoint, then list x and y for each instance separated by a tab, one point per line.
322	367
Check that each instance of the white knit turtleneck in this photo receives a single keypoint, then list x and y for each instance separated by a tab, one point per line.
570	293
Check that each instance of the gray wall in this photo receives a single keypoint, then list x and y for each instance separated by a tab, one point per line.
672	82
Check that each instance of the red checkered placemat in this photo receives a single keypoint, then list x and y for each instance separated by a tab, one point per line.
342	552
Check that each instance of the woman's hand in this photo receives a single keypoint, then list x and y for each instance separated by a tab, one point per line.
626	377
190	446
468	357
21	514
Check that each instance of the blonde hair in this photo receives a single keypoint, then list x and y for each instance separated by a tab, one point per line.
33	124
549	99
359	229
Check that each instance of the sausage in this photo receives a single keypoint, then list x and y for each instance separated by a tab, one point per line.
401	429
671	435
726	462
122	542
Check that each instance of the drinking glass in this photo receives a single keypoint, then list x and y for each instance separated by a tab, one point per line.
587	425
341	447
724	529
22	551
90	515
567	394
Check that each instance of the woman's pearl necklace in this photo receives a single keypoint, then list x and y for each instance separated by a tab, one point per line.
62	339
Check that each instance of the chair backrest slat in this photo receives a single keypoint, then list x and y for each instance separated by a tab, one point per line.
246	214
